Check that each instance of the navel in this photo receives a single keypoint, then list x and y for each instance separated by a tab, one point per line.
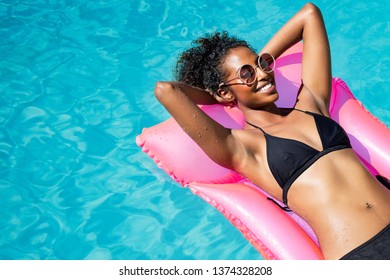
369	205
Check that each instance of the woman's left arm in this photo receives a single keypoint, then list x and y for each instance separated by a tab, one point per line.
308	24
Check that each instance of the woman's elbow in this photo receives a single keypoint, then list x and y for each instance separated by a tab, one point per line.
311	9
161	89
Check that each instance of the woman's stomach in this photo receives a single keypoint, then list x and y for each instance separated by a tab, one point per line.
344	204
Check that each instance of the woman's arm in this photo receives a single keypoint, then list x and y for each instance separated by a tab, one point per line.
200	96
308	24
180	101
197	95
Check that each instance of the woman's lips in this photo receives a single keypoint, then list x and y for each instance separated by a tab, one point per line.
265	86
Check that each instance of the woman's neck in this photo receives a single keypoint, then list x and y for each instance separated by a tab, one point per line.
264	116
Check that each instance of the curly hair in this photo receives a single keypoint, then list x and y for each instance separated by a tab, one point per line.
201	65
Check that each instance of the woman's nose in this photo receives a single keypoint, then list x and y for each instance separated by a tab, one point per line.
260	73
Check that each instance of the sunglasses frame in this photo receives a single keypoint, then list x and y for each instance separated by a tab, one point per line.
254	71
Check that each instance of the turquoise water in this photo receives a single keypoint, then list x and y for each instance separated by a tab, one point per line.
76	87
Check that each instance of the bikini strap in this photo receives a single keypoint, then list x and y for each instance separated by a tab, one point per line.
255	126
284	208
308	112
296	109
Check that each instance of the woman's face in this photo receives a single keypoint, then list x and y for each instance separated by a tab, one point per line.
259	94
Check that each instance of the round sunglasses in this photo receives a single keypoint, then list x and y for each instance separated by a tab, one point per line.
247	73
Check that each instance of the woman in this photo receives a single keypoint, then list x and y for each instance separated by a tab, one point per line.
299	155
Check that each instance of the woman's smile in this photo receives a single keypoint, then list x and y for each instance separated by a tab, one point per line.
266	86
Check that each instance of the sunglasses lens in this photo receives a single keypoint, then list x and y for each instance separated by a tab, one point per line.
247	74
267	62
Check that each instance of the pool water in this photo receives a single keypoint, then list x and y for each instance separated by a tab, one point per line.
76	88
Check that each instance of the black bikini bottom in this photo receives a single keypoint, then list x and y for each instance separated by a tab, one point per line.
384	181
377	248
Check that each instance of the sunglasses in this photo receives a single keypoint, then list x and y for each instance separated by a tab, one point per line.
247	73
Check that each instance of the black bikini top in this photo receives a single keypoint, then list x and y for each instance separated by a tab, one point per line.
289	158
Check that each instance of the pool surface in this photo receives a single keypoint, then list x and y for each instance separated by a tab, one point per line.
76	88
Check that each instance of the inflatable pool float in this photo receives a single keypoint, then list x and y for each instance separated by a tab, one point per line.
276	234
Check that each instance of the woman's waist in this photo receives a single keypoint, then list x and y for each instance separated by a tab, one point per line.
340	194
345	209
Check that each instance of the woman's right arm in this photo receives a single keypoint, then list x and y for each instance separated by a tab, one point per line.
180	101
308	24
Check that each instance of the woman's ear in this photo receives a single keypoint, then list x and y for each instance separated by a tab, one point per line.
225	95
